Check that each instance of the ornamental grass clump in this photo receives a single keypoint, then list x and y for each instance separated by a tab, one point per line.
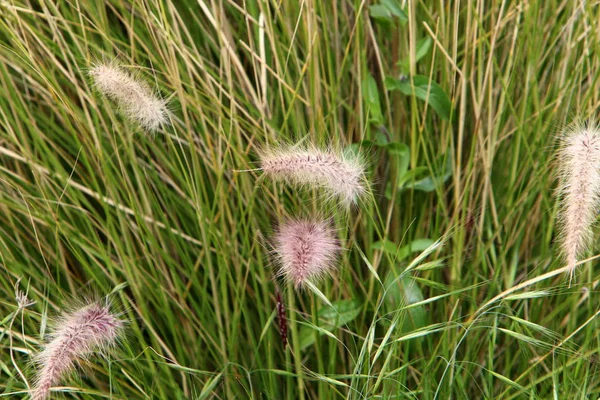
76	336
306	250
579	166
342	175
134	97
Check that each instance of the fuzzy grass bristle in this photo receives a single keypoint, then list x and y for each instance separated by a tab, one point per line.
134	97
340	174
77	335
306	250
579	166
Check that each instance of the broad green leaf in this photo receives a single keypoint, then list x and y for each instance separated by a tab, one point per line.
382	139
386	246
414	246
393	83
398	150
423	47
402	152
381	15
401	292
385	13
430	183
416	317
371	97
426	90
331	317
414	174
402	253
395	9
345	310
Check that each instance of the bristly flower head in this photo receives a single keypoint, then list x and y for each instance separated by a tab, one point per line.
341	174
134	97
77	335
579	166
306	250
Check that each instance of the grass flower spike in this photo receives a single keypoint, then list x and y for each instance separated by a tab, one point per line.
135	99
306	250
76	336
579	160
342	175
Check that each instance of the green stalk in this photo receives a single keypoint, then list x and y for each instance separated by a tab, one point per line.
295	348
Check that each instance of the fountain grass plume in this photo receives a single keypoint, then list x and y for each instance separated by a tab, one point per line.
135	98
579	189
305	250
76	336
341	174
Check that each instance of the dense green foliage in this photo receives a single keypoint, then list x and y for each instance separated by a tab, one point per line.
456	106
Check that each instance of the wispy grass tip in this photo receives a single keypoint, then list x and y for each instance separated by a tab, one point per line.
340	174
579	168
76	336
306	250
134	97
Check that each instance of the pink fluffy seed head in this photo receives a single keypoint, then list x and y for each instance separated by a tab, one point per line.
76	336
134	98
341	175
579	167
306	250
